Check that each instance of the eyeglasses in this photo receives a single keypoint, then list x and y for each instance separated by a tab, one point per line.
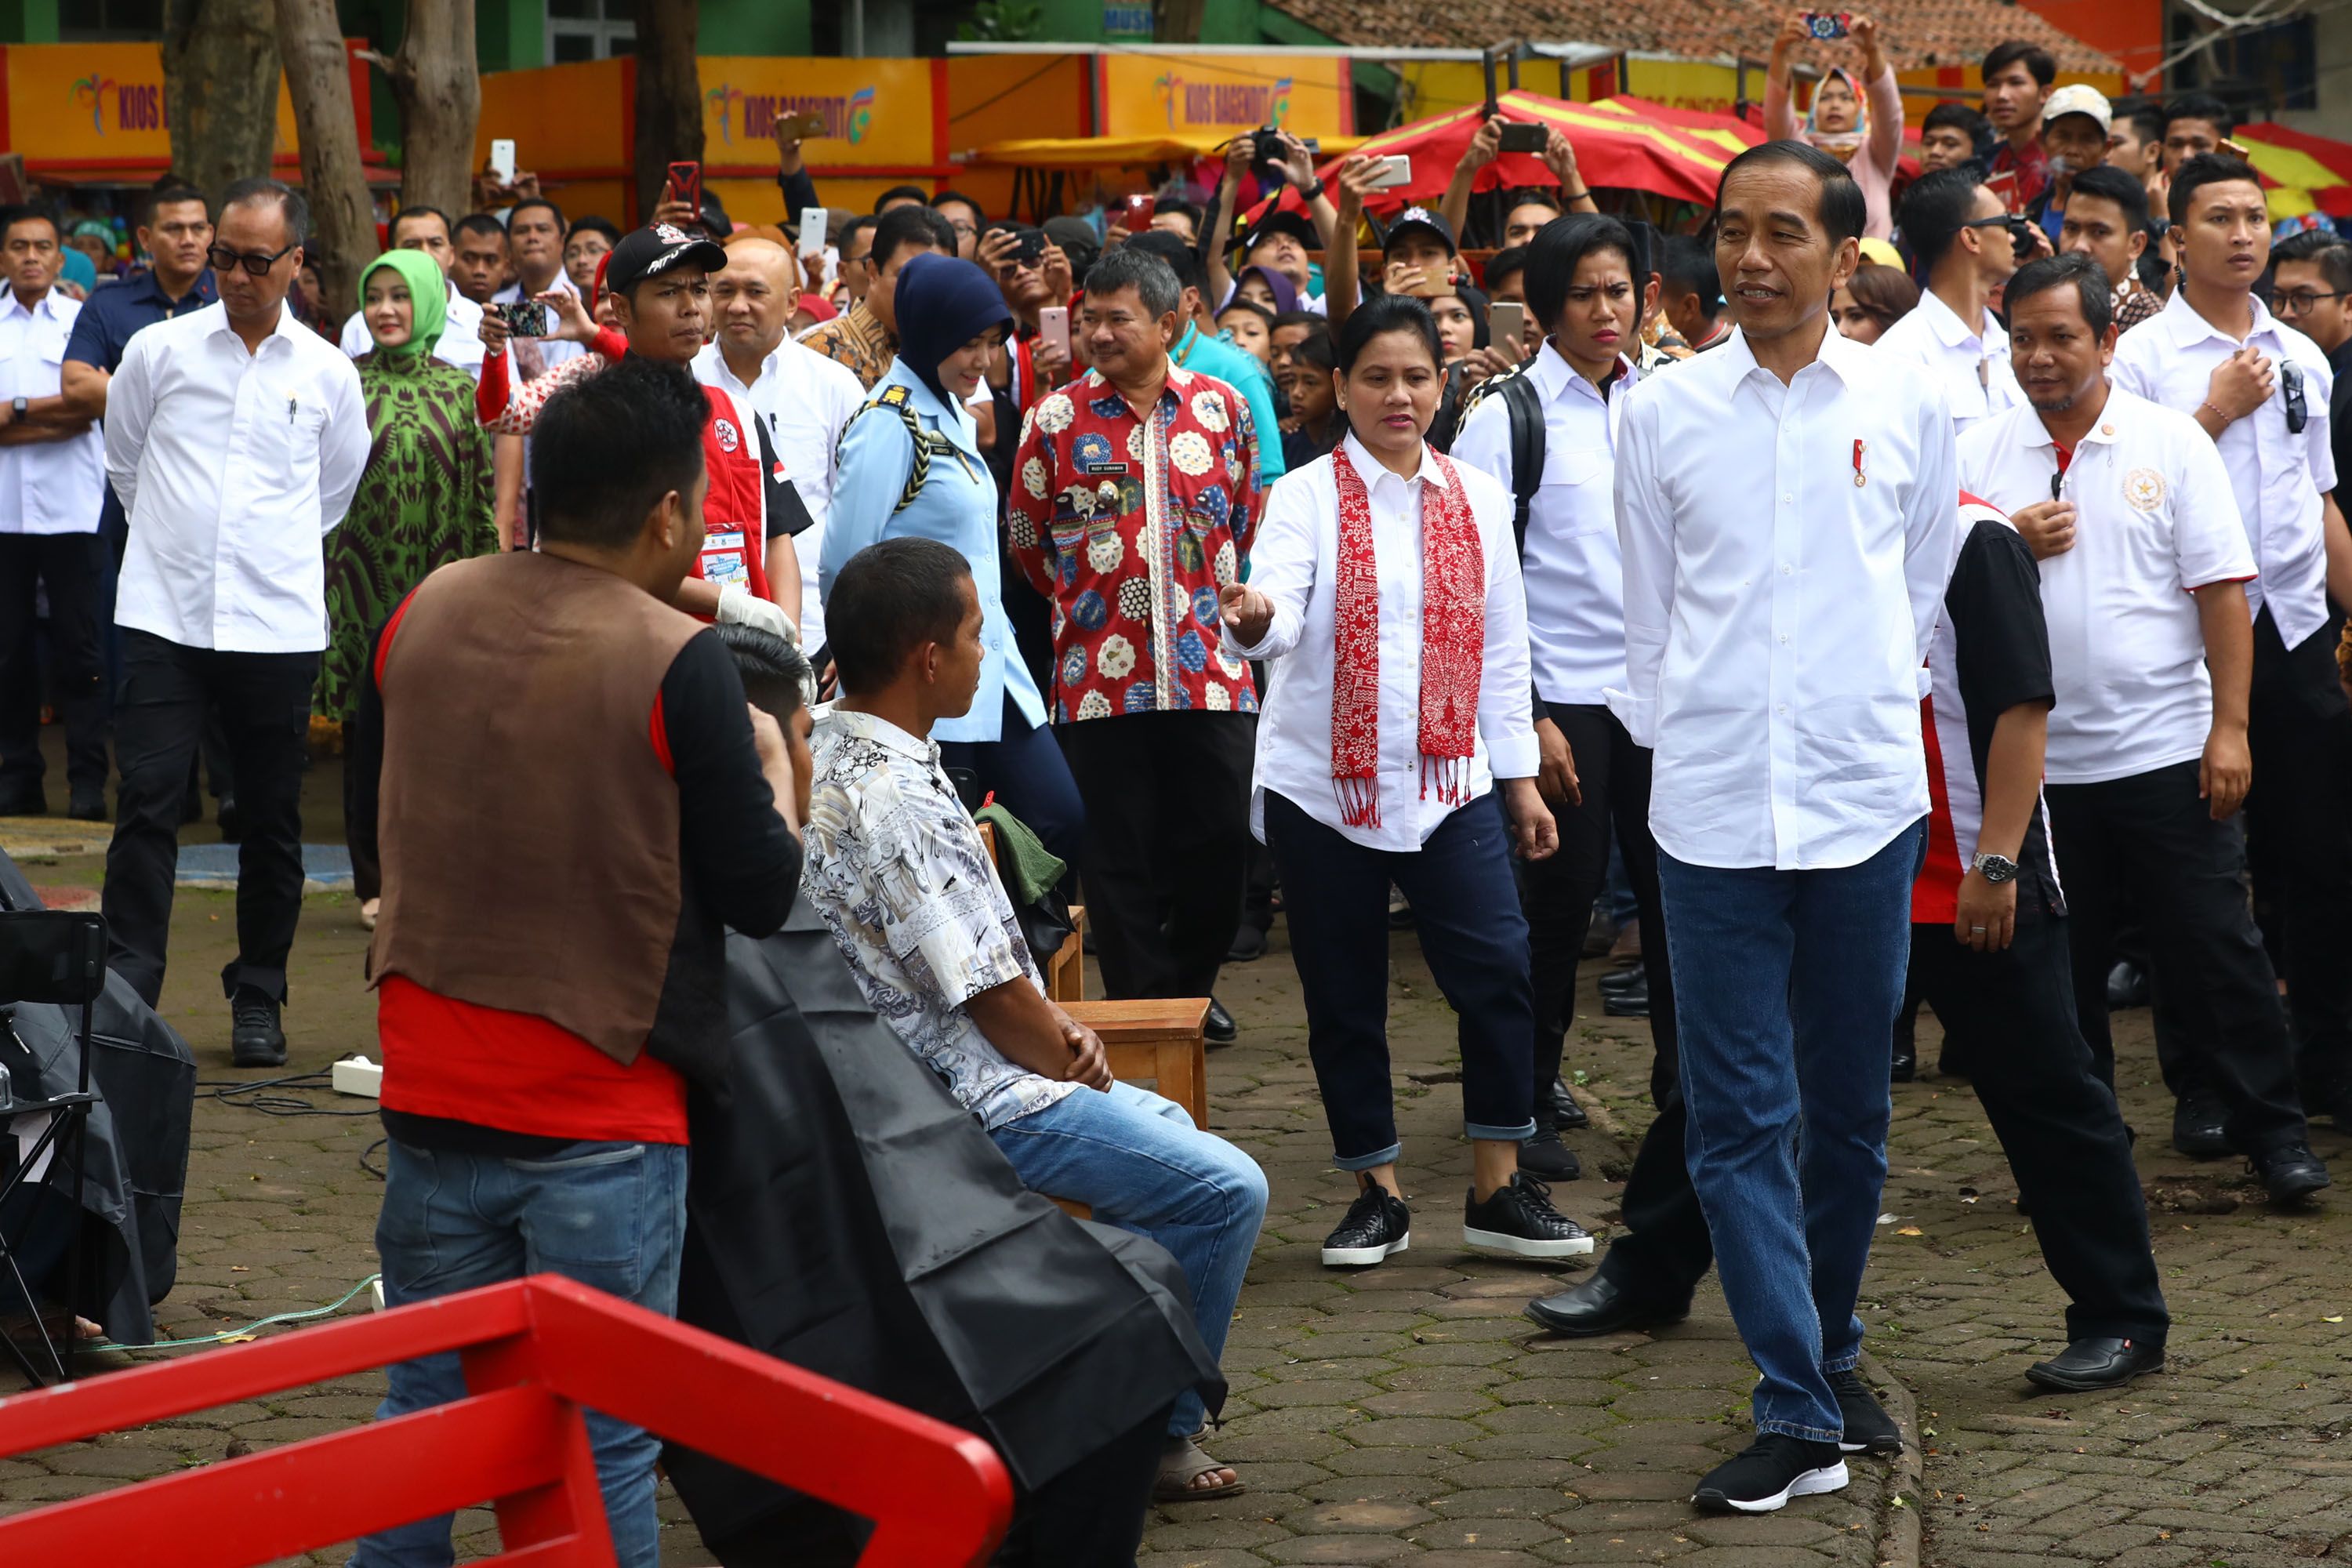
2302	300
223	258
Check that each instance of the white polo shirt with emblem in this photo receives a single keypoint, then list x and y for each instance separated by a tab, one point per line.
2155	520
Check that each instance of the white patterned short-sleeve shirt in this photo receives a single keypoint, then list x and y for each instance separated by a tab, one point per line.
895	869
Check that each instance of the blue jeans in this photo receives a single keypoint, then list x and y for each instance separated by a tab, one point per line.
1139	1161
611	1215
1786	983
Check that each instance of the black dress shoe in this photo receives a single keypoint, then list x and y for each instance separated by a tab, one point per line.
25	803
1564	1110
2199	1129
2290	1173
255	1040
2097	1364
232	828
2126	985
1249	944
1219	1028
1631	1000
88	805
1623	979
1904	1065
1596	1306
1599	937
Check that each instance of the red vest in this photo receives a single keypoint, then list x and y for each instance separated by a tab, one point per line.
734	548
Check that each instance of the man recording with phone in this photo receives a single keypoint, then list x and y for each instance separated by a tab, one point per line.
1530	207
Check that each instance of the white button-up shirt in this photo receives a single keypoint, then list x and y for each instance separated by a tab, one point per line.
1970	368
803	400
2153	521
231	465
1295	562
1575	580
1778	613
46	487
461	335
2278	476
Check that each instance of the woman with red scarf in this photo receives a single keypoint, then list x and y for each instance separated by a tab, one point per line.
1397	746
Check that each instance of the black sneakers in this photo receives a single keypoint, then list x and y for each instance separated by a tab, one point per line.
1775	1468
255	1040
1544	1155
2290	1173
1378	1226
1868	1429
1518	1221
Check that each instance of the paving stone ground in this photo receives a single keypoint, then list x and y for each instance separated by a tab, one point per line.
1408	1413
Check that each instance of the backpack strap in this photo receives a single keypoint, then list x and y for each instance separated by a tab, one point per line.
1524	404
929	444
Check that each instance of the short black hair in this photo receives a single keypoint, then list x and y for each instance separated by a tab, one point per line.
915	193
1321	322
1252	306
2194	173
592	223
1184	261
2324	248
1556	250
527	203
1177	204
1532	195
2109	183
1939	204
978	213
1385	313
479	222
30	212
608	447
1955	116
904	227
288	201
2011	51
2200	106
1688	267
420	209
1842	211
168	194
2088	279
2146	114
1510	259
1320	350
776	674
889	600
852	229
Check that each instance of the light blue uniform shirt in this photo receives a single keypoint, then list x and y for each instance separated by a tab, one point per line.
958	507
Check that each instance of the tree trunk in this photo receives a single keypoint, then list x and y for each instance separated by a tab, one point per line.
1180	21
317	75
438	87
220	90
669	95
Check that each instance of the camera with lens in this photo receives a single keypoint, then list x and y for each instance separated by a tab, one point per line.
1270	143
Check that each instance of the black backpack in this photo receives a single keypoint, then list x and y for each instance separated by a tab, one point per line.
1524	405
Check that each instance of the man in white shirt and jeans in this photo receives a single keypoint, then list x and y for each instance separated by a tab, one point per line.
1779	597
2144	564
234	437
52	484
1960	231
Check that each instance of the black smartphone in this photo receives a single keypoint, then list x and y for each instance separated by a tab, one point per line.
1520	138
1030	250
523	318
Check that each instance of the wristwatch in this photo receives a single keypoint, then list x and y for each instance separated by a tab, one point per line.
16	407
1997	869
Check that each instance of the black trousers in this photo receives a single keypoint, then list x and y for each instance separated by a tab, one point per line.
2149	842
2056	1119
1558	894
1167	805
72	567
264	701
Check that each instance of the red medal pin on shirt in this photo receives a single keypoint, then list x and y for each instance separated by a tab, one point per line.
1860	476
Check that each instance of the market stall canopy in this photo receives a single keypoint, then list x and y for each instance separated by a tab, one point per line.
2301	173
1621	148
1728	131
1116	151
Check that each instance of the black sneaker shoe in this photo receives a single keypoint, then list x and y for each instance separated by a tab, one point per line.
1248	944
255	1040
2126	985
2200	1129
1775	1468
1219	1028
88	805
2290	1173
1518	1221
1868	1429
1565	1112
1545	1156
1378	1226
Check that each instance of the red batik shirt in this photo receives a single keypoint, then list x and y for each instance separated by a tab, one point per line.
1130	528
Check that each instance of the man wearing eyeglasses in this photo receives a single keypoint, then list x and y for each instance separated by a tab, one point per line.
234	437
2262	390
2310	290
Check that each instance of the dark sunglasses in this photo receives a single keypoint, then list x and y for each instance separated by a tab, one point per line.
2298	411
223	258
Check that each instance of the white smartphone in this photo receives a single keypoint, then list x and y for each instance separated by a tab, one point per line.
811	231
1053	326
1396	169
502	159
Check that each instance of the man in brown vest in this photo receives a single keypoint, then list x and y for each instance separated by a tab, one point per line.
571	802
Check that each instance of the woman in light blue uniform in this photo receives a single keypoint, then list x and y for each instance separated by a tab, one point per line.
910	463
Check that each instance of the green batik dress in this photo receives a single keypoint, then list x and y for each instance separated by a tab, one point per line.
425	499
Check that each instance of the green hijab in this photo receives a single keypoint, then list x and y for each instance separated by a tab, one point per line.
428	294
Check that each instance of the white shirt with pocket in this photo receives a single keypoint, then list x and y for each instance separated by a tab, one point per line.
1786	549
231	465
2153	521
1971	368
1574	575
46	487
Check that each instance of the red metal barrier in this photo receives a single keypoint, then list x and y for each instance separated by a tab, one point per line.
535	1351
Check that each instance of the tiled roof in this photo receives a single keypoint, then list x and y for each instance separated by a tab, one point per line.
1916	33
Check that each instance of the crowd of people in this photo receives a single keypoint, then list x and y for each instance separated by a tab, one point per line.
1898	587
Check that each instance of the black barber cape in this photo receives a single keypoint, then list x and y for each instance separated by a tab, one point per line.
847	1215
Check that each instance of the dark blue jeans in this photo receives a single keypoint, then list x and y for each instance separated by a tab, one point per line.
1786	983
612	1215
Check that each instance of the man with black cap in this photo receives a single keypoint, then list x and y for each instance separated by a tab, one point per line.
1277	240
658	278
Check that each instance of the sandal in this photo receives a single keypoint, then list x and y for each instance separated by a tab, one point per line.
1182	1465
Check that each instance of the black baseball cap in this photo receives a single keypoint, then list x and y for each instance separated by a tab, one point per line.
659	248
1280	220
1421	220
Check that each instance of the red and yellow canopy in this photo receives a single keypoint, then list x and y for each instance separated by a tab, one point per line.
2302	173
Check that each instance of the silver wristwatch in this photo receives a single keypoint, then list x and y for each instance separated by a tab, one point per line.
1997	869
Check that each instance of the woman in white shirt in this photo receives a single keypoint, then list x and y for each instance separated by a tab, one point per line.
1396	739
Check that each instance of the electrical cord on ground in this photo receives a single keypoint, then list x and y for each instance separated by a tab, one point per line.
375	1171
303	1315
252	1093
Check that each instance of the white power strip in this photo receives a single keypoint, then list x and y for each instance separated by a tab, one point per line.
358	1076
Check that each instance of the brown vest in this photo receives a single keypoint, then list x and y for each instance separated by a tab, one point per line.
528	827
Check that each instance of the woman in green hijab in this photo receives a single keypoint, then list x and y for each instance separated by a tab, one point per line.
425	499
